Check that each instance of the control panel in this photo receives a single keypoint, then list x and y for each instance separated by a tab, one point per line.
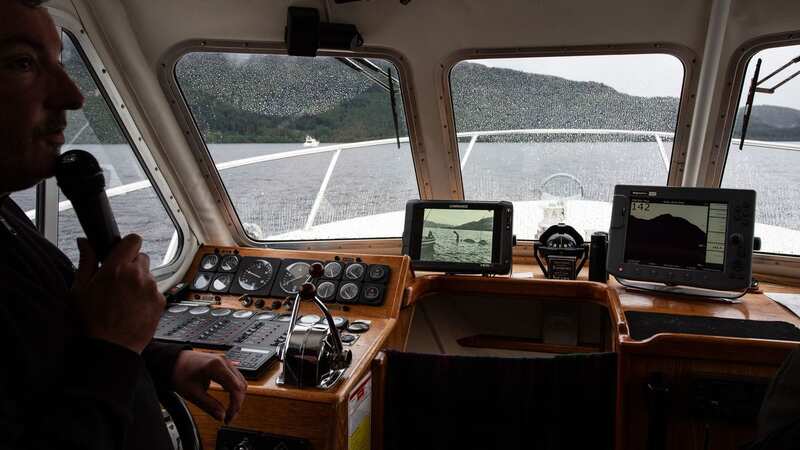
344	281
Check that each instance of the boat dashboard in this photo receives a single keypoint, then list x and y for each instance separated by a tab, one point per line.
700	352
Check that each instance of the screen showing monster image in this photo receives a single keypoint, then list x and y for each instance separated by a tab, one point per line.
681	234
457	235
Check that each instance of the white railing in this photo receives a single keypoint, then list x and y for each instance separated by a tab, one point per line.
336	150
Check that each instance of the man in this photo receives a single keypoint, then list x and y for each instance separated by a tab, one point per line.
78	368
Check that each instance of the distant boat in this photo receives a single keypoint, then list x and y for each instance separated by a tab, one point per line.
310	142
428	242
469	241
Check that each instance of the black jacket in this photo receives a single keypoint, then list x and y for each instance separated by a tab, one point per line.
59	389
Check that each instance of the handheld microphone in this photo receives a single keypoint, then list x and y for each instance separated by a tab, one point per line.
81	180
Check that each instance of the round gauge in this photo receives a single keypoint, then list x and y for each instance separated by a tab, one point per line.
242	314
256	275
339	322
348	292
229	263
376	272
332	270
309	319
355	271
197	310
209	262
294	277
326	291
265	316
219	312
177	309
201	281
222	282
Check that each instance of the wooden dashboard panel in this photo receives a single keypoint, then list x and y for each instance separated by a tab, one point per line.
321	416
316	415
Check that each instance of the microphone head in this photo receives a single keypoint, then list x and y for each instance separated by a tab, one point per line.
78	174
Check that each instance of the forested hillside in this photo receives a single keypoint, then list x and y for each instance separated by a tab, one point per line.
277	99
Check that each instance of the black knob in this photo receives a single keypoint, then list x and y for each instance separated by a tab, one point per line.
308	290
316	270
276	304
259	303
246	300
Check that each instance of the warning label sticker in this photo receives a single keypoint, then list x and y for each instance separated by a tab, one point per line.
359	408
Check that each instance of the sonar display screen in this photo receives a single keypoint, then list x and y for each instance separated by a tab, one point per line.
681	234
457	235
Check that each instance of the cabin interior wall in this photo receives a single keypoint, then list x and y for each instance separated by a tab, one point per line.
441	320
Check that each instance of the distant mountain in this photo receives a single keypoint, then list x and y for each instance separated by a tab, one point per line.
681	243
325	99
485	224
432	224
770	123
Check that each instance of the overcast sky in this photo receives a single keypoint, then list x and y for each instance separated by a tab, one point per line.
650	75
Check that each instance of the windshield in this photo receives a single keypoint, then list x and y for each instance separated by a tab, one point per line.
768	161
555	134
307	148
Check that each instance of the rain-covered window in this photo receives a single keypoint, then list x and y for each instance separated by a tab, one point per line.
136	205
555	134
307	147
769	160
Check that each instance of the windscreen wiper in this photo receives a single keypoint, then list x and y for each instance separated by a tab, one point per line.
394	106
754	87
364	67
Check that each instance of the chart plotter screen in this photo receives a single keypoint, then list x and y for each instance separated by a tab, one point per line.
681	234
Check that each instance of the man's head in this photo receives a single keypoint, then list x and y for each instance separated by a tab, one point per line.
35	93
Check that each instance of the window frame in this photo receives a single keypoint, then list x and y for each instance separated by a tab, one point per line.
784	267
47	195
182	111
685	106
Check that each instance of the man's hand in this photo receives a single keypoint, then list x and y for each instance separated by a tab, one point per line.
193	373
119	302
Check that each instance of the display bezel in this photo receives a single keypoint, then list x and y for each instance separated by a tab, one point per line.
736	271
501	236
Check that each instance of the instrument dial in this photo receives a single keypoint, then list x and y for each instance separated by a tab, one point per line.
222	282
209	262
198	310
377	272
355	271
201	281
229	263
177	309
348	292
333	270
326	291
242	314
266	316
256	275
220	312
294	277
309	319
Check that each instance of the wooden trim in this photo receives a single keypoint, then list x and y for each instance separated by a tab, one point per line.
378	399
522	344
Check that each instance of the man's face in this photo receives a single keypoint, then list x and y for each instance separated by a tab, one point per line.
35	93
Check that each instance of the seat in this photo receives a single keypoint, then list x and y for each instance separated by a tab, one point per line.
445	402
